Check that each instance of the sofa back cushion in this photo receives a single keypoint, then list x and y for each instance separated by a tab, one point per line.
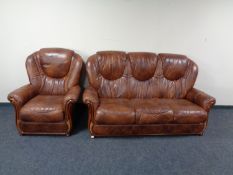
143	65
107	71
53	71
141	74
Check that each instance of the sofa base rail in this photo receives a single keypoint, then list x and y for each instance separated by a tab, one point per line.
140	130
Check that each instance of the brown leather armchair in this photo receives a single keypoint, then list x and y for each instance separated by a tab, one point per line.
45	105
144	94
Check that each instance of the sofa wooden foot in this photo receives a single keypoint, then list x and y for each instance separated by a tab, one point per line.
20	132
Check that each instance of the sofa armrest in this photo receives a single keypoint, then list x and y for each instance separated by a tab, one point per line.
200	98
72	95
90	96
22	95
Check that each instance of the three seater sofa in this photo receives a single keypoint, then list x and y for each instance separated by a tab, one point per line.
143	93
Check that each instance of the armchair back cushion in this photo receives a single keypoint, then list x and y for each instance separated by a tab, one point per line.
53	71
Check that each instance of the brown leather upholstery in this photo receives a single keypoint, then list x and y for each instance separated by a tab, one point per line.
115	112
142	93
45	105
43	108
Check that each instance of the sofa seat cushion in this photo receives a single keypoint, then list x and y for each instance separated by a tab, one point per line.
186	112
161	111
43	108
152	111
115	111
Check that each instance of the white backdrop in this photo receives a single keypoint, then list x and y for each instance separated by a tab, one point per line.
201	29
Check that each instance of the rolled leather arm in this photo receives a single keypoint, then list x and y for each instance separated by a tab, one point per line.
72	95
200	98
90	96
22	95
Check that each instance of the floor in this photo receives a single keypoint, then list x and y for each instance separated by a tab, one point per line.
210	154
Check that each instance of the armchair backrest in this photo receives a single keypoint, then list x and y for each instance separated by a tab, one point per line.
53	71
141	74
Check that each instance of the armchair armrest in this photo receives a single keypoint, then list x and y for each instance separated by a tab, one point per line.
22	95
90	96
200	98
72	95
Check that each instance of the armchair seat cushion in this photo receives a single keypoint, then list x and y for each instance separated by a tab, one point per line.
161	111
115	112
43	108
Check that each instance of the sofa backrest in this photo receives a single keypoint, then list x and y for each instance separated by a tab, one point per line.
53	71
116	74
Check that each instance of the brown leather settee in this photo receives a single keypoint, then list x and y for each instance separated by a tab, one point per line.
45	105
144	94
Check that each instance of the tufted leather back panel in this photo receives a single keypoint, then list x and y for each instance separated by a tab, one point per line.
107	73
141	74
53	71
